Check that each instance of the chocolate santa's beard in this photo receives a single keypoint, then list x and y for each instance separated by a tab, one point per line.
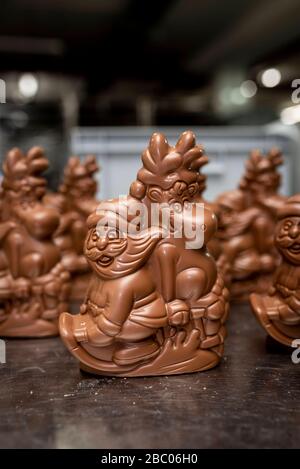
287	242
95	254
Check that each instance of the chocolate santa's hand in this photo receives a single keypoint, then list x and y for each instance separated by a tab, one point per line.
85	329
83	308
178	313
22	287
81	335
294	303
213	304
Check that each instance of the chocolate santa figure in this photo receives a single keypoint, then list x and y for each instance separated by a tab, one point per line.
156	305
247	218
75	201
278	311
214	245
34	284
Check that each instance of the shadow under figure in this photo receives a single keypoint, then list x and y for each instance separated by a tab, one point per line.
279	310
153	307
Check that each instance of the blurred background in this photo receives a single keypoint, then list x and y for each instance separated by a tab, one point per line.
99	76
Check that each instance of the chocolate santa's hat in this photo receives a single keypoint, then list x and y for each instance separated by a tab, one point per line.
291	208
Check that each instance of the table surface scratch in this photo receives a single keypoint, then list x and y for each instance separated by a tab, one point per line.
250	400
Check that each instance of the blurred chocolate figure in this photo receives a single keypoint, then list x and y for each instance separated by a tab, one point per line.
247	218
214	245
34	284
154	306
75	201
278	311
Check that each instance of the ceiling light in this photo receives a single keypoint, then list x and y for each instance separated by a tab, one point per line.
271	77
248	89
28	85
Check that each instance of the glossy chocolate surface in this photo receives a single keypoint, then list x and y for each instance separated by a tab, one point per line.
278	311
34	284
153	307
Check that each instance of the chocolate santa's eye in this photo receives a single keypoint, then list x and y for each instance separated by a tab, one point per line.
112	234
155	194
94	237
177	207
192	189
287	225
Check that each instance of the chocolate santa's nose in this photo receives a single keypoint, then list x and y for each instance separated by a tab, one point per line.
102	243
294	231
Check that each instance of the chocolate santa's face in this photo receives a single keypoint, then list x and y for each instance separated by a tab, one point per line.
179	192
287	238
102	251
226	217
115	254
232	205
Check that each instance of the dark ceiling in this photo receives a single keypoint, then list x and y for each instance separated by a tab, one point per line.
131	47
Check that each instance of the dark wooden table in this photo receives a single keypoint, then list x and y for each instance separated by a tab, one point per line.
251	400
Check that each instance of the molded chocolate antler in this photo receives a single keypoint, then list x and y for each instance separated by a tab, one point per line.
259	163
193	157
163	165
159	158
275	157
21	171
76	169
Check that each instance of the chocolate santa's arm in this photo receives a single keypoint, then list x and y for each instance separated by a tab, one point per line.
210	223
283	312
119	306
111	318
177	310
231	249
5	228
66	221
78	234
287	311
261	229
14	243
166	254
21	285
294	302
